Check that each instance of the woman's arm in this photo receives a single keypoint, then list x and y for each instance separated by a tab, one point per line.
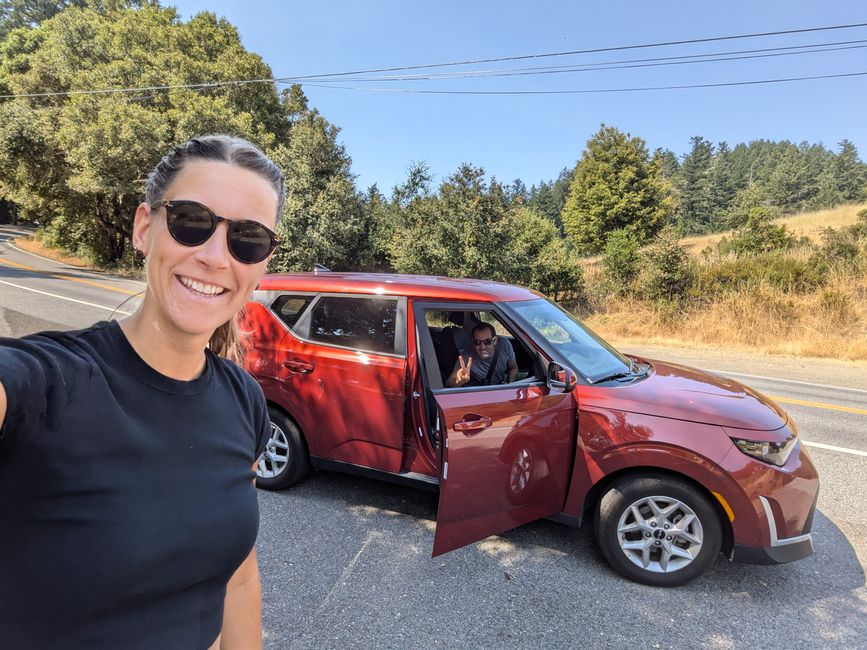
2	404
242	610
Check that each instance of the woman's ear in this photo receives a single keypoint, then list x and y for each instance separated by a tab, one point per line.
141	228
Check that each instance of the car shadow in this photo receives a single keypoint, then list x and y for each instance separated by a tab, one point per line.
818	599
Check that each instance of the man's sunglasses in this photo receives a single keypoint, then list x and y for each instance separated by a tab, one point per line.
192	224
478	342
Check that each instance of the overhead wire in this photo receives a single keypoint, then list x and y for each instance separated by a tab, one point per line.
610	65
348	76
589	90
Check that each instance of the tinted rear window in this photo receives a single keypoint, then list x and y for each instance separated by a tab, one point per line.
361	323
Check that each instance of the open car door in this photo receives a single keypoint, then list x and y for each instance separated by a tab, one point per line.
506	456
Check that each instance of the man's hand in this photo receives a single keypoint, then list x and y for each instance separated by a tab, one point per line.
463	374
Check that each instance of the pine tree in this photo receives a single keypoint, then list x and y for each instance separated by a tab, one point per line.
696	206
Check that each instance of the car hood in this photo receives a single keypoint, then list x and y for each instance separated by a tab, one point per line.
674	391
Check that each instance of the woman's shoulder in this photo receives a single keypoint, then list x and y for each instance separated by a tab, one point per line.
83	345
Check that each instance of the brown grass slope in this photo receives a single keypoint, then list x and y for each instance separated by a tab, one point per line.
829	321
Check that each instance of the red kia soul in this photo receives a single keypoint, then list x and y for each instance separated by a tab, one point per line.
373	374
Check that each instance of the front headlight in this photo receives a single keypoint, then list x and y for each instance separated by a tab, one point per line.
775	453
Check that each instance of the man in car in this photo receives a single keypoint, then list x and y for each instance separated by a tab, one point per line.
490	360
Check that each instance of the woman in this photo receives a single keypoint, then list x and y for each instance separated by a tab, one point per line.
127	507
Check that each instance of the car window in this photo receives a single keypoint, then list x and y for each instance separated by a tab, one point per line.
361	323
289	308
451	332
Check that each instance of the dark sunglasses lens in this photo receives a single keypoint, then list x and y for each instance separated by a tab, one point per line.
478	342
190	224
249	242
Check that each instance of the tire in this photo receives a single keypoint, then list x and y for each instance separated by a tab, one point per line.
640	529
285	460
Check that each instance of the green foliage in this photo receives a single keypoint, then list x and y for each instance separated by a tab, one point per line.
465	230
758	235
323	221
620	260
549	198
79	160
780	269
696	206
616	186
666	272
540	259
846	245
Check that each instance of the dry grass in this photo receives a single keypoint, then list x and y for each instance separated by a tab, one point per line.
806	224
33	245
828	323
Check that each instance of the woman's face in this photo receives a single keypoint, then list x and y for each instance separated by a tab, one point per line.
192	290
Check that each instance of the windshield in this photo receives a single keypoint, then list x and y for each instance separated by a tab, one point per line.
586	353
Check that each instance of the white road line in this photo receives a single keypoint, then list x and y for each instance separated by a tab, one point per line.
788	381
80	302
842	450
21	250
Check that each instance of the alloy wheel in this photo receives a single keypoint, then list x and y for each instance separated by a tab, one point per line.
660	534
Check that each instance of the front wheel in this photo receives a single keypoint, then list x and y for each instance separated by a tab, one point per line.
285	460
657	530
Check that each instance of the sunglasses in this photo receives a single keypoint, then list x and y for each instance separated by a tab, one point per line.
478	342
192	224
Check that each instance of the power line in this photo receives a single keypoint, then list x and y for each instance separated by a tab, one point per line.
615	65
789	49
597	50
327	77
589	90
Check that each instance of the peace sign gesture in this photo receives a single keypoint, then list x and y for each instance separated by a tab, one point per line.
463	373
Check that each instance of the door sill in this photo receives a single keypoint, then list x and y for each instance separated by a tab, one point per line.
409	479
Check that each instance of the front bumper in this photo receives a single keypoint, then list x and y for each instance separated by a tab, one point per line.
781	550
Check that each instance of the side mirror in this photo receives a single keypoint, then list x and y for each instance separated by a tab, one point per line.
561	379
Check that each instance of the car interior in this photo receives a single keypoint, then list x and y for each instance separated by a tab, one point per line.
451	332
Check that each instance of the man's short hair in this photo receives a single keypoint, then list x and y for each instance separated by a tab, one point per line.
483	325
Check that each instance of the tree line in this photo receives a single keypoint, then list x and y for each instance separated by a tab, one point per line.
72	161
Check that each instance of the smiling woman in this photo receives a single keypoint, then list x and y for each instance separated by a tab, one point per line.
140	530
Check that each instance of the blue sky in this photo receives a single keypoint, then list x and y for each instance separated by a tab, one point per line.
532	137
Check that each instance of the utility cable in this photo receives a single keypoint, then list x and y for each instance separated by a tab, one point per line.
589	90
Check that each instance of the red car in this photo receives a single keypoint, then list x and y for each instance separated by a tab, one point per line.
671	464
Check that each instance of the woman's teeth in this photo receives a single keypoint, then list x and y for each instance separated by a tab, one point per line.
200	287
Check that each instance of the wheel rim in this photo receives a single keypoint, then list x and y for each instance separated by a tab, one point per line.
275	458
519	477
660	534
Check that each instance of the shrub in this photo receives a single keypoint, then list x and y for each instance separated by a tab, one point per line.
620	260
758	235
667	272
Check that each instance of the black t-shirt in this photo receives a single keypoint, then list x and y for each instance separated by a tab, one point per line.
126	497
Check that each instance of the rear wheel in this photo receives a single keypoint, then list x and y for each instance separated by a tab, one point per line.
285	460
657	530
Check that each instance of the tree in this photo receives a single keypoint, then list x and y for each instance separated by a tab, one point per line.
76	162
615	186
323	221
850	173
465	230
539	258
721	188
696	204
789	185
550	198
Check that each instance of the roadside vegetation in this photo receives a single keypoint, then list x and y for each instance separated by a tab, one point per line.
758	245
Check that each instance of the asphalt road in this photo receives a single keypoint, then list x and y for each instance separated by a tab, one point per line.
346	561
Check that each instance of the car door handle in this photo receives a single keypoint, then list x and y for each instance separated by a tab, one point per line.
469	425
301	367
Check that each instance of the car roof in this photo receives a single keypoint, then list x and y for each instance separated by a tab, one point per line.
412	286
